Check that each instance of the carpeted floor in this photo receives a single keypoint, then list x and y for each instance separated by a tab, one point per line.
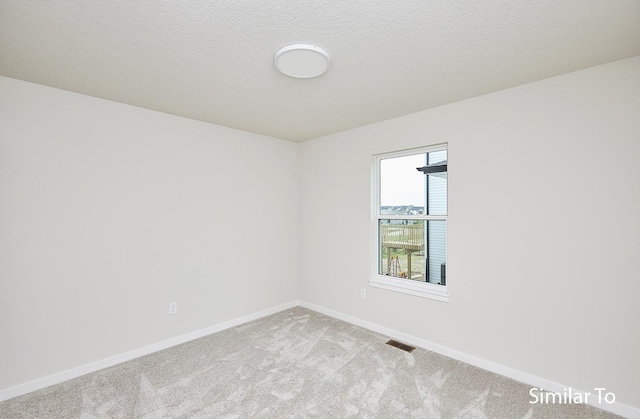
297	363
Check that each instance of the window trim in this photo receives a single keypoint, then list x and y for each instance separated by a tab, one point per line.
420	289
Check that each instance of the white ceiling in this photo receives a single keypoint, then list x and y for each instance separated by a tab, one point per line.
212	60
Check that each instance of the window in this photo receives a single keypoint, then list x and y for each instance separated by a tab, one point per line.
410	222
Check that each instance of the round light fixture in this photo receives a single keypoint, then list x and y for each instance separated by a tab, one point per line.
302	61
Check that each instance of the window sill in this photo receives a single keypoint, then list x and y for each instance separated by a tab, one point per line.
419	289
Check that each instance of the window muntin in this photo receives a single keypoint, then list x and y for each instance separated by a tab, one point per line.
411	221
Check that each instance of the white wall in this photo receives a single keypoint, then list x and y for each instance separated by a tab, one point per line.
544	228
109	212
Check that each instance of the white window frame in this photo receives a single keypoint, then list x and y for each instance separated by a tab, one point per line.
403	285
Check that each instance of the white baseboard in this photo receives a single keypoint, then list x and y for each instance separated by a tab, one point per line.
41	383
541	383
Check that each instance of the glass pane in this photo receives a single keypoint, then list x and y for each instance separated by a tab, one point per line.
402	187
404	190
413	249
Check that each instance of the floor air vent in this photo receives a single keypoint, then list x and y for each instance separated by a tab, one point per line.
400	345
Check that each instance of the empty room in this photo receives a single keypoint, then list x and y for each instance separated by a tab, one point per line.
243	209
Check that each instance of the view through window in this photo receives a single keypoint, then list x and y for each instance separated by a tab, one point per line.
412	215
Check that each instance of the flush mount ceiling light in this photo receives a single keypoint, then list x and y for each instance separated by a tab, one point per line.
302	61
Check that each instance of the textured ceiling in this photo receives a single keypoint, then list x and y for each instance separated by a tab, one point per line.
212	60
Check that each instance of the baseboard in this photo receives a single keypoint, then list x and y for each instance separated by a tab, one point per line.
41	383
541	383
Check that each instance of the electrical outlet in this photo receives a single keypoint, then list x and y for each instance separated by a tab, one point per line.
363	293
173	308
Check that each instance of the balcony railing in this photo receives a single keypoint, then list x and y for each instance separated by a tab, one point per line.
398	236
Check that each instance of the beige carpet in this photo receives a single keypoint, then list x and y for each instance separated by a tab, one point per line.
296	363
